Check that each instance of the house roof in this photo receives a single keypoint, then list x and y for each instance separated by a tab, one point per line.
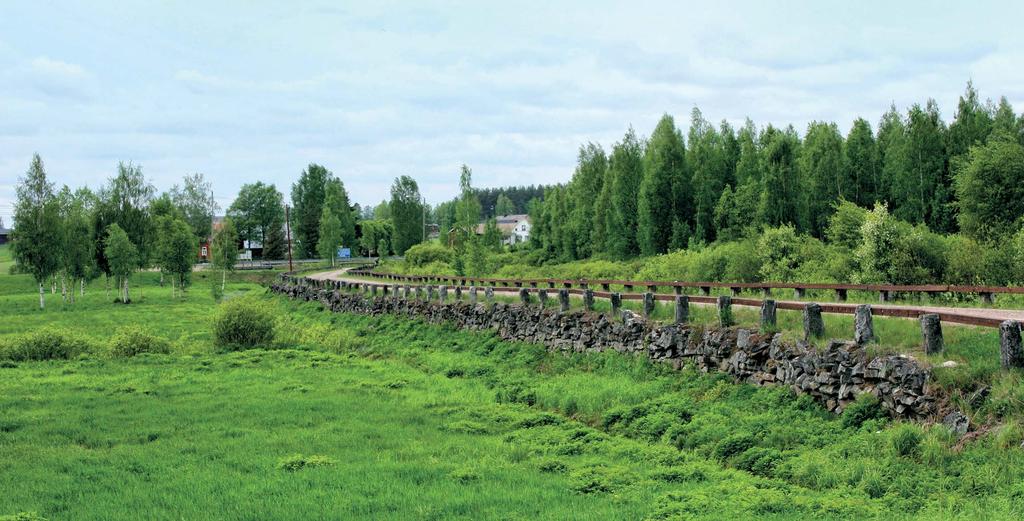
506	223
5	231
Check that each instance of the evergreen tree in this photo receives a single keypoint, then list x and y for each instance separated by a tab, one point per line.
664	177
923	188
780	182
35	242
585	188
336	199
861	163
971	125
892	153
821	167
626	166
308	195
1006	122
407	214
707	161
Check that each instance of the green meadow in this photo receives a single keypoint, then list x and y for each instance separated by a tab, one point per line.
352	417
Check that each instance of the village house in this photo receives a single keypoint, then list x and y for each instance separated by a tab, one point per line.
515	228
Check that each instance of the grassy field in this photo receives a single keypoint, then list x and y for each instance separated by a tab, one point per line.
388	418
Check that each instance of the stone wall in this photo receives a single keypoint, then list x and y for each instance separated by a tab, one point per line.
834	376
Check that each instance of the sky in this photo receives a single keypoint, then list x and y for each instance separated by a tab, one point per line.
254	91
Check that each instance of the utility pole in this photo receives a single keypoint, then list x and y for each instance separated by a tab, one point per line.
288	232
423	206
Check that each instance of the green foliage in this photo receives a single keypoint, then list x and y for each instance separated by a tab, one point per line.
132	340
241	323
988	189
733	445
428	252
308	194
906	440
626	171
844	227
175	250
895	252
298	462
406	214
122	257
197	204
258	214
36	246
330	235
376	237
46	343
866	407
225	246
664	190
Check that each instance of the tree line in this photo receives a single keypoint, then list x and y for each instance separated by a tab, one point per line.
68	237
672	191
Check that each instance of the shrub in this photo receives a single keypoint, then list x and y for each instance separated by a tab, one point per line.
906	441
427	252
299	462
864	408
217	292
47	343
243	323
129	341
759	460
733	445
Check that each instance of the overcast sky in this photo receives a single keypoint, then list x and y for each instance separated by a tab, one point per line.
247	91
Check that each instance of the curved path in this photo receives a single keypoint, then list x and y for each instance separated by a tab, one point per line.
984	316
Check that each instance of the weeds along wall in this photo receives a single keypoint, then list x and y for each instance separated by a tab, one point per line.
834	376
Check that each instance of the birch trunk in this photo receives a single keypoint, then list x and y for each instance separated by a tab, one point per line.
42	303
126	297
223	279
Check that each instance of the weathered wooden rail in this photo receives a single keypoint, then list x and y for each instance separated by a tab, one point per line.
1011	349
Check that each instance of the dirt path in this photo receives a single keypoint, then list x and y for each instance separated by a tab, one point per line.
987	313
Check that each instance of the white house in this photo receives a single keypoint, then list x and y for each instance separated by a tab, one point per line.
514	228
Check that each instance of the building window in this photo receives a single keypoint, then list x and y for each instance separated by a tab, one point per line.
204	251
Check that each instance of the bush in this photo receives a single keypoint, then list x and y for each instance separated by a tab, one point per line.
427	252
299	462
243	323
864	408
733	445
129	341
46	343
906	441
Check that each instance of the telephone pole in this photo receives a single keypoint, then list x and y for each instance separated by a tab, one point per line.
288	228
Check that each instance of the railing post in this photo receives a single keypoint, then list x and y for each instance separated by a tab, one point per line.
814	326
648	304
987	298
767	315
706	290
524	296
542	296
430	293
799	292
419	292
563	299
682	309
735	291
588	299
841	295
931	330
472	295
616	300
1010	352
442	294
489	293
863	327
725	318
458	293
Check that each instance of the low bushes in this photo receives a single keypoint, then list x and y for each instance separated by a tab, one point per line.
129	341
428	252
44	344
242	323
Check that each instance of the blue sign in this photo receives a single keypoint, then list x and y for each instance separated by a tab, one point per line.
344	253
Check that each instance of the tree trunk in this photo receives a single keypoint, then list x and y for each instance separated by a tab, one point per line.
63	288
42	303
82	294
172	285
125	299
106	285
162	279
223	278
53	286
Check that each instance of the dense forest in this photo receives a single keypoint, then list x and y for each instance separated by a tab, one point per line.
928	181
